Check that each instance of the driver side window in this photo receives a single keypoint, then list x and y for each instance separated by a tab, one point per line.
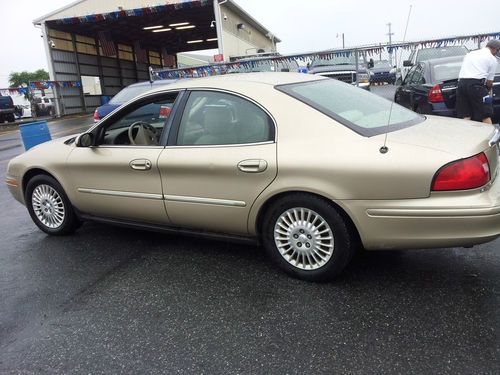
142	124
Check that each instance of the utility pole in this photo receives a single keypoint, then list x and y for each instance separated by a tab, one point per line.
390	41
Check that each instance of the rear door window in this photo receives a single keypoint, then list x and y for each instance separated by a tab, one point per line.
359	110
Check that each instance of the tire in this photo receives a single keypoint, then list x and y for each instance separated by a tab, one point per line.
11	118
307	237
49	207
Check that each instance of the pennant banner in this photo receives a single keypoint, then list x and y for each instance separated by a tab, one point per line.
223	68
137	12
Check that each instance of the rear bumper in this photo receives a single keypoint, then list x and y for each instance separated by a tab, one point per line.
442	220
440	109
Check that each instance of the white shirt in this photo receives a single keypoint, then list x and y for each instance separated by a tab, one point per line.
479	64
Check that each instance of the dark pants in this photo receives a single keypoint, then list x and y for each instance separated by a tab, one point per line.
472	100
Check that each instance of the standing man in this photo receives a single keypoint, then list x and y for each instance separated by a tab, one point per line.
474	100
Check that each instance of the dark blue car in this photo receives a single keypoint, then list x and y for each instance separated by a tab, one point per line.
430	87
126	94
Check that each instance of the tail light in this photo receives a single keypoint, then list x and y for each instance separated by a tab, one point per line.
96	116
435	95
464	174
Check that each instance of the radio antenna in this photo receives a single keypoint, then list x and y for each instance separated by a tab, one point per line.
384	149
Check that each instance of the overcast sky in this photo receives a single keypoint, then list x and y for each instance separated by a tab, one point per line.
303	26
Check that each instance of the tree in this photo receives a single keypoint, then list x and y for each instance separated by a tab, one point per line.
23	78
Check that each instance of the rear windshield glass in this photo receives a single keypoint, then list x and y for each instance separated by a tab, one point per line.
361	111
436	53
446	71
129	93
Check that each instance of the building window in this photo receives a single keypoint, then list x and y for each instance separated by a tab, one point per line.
61	40
91	85
86	45
154	58
125	52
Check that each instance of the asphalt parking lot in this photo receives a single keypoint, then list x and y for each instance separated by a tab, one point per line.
113	300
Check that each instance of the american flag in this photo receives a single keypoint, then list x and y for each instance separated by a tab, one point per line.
107	44
168	60
141	55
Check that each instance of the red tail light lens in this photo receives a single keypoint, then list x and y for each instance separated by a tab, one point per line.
435	95
464	174
96	115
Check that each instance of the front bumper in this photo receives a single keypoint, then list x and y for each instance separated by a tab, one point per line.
445	219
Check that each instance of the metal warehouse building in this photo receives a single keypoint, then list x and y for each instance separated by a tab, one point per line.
107	45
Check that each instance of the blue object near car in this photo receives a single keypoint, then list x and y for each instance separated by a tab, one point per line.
34	133
125	95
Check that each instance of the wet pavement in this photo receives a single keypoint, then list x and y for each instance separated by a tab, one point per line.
113	300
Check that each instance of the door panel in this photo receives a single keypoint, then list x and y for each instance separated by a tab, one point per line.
205	188
105	183
119	177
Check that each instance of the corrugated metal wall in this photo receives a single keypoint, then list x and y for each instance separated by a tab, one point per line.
114	74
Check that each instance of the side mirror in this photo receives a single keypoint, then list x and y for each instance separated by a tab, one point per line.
85	140
407	63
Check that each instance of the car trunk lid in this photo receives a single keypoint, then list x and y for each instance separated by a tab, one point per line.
449	91
458	139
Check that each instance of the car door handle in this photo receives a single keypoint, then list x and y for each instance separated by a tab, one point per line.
252	166
140	164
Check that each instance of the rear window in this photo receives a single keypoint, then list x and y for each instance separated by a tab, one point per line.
446	71
359	110
436	53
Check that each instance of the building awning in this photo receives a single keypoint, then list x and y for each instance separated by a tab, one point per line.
179	26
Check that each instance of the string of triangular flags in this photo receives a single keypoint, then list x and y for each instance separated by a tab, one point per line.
223	68
168	6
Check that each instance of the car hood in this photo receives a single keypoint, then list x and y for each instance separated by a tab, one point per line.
336	68
380	70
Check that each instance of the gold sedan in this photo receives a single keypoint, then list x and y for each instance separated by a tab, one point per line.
311	167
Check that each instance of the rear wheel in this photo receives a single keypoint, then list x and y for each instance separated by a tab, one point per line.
307	237
11	118
49	207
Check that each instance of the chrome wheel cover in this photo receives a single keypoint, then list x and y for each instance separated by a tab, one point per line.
303	238
48	206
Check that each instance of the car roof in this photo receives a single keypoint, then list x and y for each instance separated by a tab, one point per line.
264	78
155	83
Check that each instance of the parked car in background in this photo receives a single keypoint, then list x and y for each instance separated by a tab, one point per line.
423	54
6	109
22	111
343	68
382	71
430	87
44	106
311	167
127	94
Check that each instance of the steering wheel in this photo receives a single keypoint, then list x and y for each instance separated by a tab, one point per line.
146	134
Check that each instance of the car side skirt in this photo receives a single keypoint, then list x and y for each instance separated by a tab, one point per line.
249	240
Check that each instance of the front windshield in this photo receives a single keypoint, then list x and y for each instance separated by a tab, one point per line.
359	110
381	64
336	60
128	93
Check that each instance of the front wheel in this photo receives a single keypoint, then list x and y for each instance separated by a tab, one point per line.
307	237
49	207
